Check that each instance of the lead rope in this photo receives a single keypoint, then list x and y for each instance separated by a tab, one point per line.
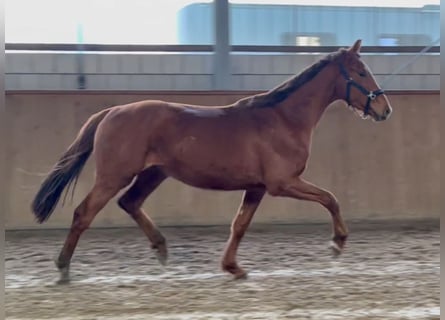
410	62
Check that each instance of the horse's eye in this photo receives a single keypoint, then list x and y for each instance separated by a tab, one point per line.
362	74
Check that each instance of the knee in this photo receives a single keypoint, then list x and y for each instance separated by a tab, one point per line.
126	204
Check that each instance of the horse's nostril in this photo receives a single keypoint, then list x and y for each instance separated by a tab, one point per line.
385	114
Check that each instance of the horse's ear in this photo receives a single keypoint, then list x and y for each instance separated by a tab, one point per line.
356	46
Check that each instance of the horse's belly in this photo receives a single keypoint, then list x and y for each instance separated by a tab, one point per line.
211	176
217	159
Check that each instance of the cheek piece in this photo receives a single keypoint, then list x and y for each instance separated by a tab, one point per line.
371	95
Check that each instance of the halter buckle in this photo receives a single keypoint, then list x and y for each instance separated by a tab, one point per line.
371	95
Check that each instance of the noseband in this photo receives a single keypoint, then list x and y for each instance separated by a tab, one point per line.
372	95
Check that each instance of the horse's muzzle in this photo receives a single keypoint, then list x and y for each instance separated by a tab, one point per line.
386	114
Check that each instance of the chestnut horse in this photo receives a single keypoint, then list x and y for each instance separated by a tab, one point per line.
258	144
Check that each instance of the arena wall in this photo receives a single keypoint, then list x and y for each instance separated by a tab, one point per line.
192	71
384	170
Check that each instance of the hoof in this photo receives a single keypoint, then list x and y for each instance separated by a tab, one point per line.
63	281
64	276
64	272
241	275
336	250
162	255
236	271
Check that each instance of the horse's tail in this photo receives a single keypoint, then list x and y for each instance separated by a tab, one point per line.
67	169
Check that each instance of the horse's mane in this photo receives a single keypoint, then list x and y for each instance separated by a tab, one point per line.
282	91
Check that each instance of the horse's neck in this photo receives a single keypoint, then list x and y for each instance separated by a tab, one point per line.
306	105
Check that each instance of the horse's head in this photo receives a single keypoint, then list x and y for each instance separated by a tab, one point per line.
358	87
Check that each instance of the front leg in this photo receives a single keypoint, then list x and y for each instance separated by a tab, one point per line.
250	202
299	189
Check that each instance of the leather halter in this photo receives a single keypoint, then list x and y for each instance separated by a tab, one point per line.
372	95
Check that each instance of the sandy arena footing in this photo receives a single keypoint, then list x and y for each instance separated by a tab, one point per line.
388	271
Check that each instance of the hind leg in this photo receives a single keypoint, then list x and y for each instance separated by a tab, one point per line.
83	216
131	201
